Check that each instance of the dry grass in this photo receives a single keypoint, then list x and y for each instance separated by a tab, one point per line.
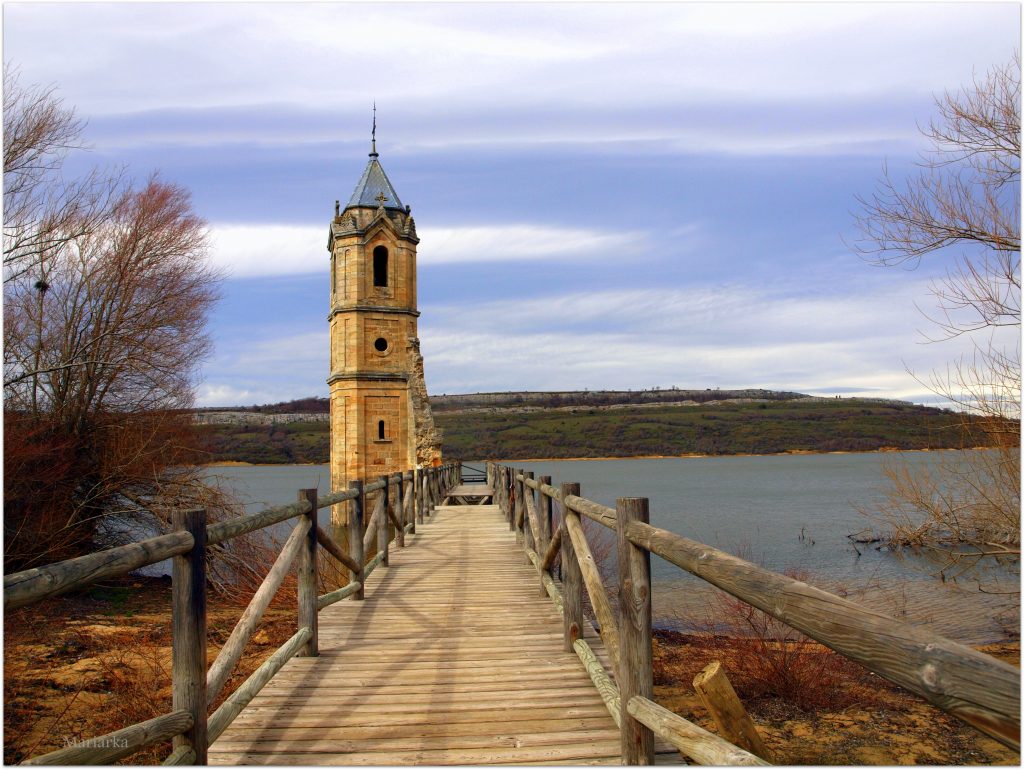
872	722
81	666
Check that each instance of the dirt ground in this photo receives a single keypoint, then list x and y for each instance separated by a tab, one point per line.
78	667
869	721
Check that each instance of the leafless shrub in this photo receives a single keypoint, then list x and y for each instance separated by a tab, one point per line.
966	198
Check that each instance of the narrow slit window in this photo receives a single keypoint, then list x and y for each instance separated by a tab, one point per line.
380	266
380	430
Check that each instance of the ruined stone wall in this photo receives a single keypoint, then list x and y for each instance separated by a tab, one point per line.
428	437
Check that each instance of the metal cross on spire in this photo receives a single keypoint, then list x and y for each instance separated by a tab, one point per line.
373	133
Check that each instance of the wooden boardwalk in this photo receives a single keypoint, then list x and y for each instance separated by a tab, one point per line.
454	657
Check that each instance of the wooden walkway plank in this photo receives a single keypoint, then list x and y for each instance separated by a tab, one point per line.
452	658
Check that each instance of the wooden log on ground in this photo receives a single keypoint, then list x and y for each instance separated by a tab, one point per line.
572	596
355	527
331	546
232	528
725	707
32	585
977	688
109	748
182	755
233	648
330	598
595	586
307	580
635	669
188	633
239	699
695	742
604	684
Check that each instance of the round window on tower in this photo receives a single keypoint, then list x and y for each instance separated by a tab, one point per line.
380	344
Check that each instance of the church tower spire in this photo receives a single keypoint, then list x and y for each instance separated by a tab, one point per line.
378	400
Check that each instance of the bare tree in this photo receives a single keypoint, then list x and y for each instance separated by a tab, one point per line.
964	203
43	210
107	291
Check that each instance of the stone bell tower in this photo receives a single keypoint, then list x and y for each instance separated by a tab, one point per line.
378	401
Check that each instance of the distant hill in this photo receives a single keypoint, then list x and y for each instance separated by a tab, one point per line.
521	425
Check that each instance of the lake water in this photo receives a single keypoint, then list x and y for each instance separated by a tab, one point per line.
788	512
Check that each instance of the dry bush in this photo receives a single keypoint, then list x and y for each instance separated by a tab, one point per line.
770	659
765	659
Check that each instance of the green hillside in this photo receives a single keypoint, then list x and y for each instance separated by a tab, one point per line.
724	428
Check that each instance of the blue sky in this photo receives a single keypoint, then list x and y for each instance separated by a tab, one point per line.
607	195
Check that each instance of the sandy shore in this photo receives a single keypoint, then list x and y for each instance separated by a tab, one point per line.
887	450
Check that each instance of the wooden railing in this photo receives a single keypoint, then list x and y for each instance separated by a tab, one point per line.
978	689
403	500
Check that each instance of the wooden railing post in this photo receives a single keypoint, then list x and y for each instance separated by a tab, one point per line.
308	580
431	492
572	578
188	629
545	527
527	529
384	525
417	490
636	666
517	501
355	527
400	511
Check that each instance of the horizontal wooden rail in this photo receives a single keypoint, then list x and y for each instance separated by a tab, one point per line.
977	688
333	498
695	742
243	525
239	699
325	600
107	749
33	585
602	514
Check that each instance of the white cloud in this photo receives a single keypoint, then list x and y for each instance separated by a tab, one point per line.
258	250
713	336
538	54
725	336
249	250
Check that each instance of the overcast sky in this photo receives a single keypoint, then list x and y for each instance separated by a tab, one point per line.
608	195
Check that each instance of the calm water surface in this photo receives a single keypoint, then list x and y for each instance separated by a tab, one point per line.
790	512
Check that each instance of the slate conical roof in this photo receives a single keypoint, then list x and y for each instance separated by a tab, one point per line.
373	183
